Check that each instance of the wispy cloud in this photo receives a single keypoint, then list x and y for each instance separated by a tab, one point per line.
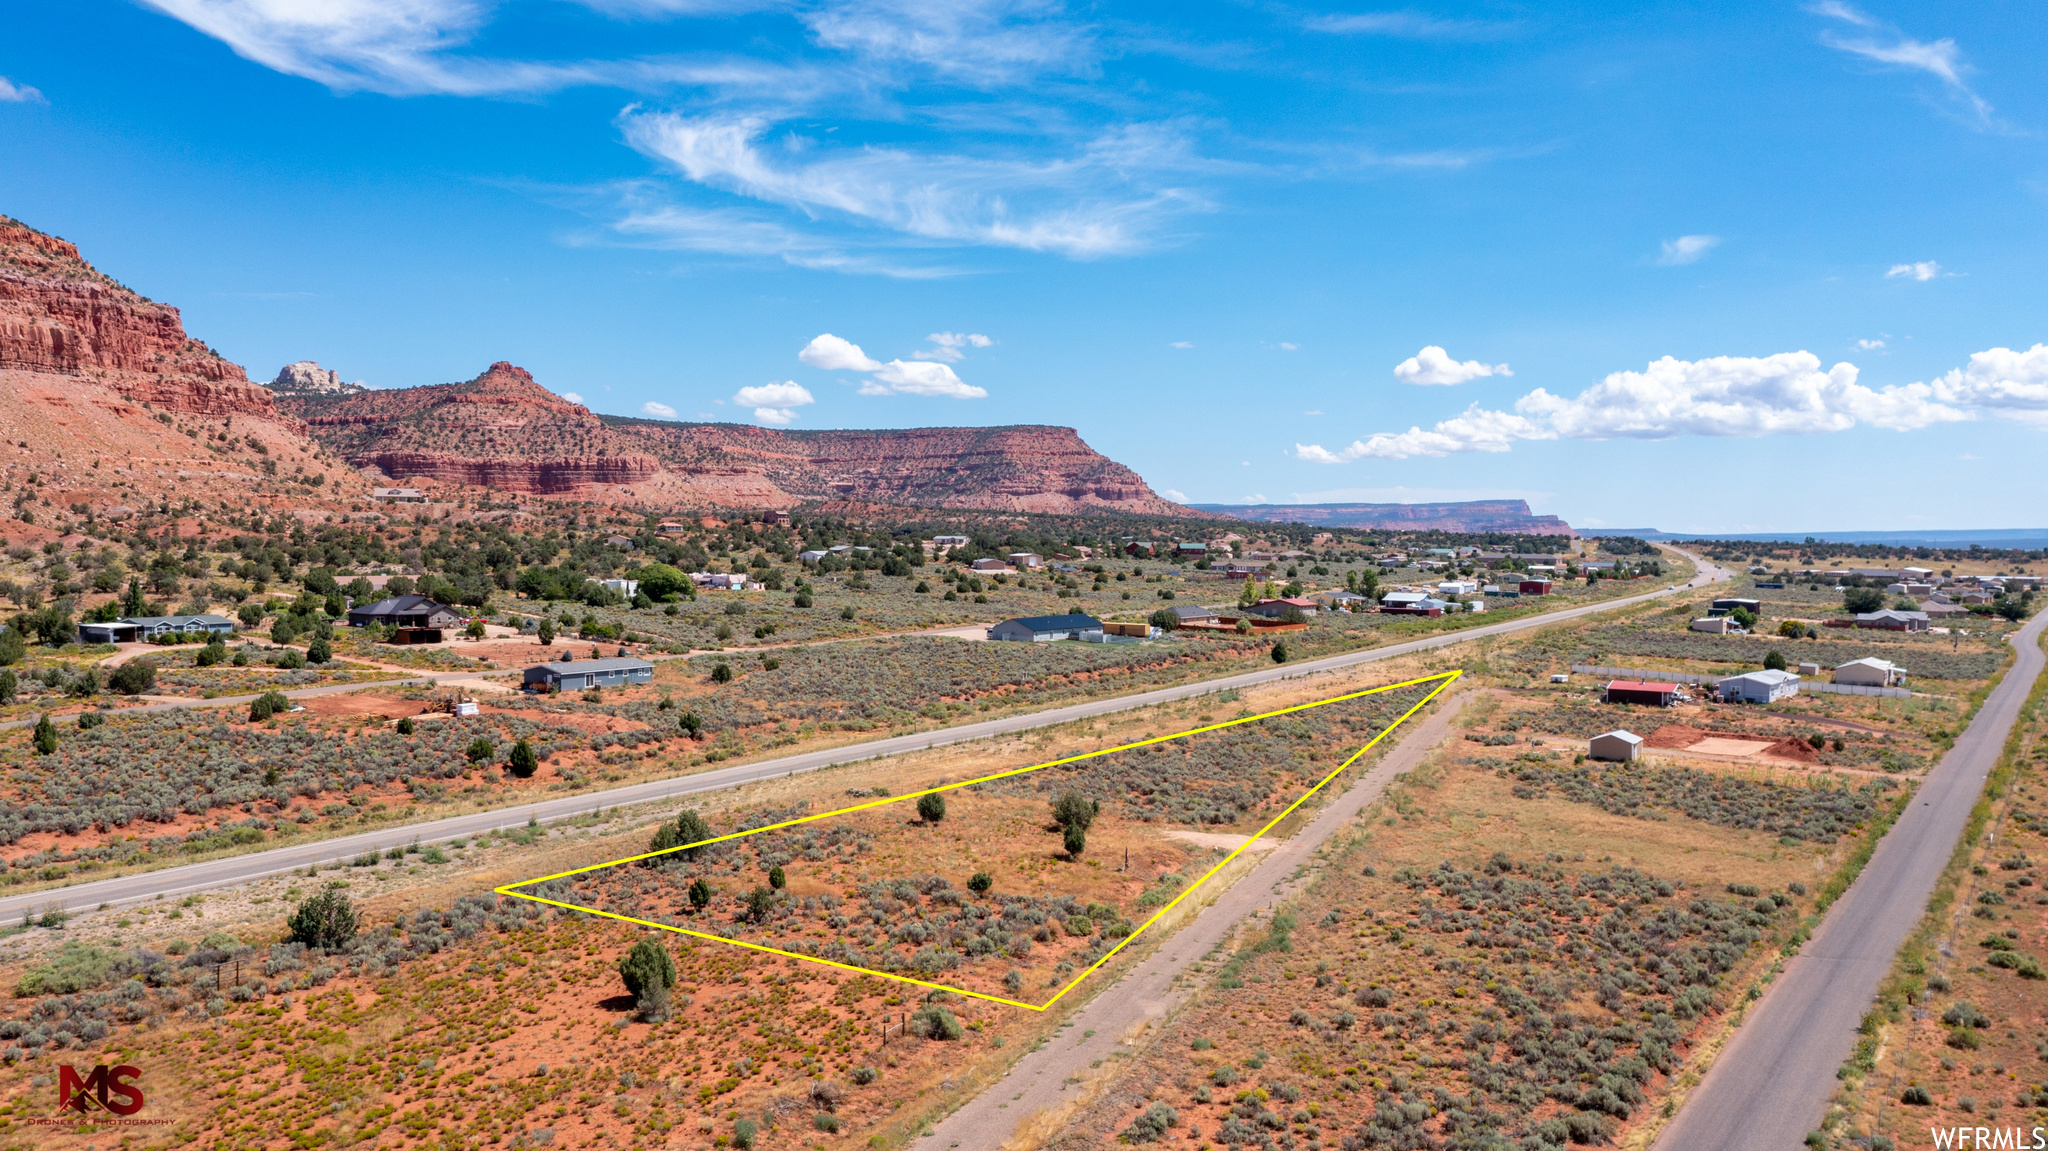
1405	24
947	346
1687	249
1885	45
1923	271
13	93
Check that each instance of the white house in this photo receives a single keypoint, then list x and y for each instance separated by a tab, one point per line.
1870	672
1026	560
986	565
1451	587
1767	686
1618	746
1717	625
624	587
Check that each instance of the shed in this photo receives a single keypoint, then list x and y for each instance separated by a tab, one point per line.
1617	745
1278	608
1639	691
1730	603
1716	625
1870	672
1535	587
1767	686
986	565
1047	628
1191	614
583	674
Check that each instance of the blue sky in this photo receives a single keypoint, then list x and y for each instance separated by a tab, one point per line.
1775	268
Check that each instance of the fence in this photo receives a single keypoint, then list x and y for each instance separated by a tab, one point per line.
1696	678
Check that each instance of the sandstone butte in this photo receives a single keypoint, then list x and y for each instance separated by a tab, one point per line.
107	406
506	432
111	404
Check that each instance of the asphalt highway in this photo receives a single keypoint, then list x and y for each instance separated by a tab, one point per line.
1772	1084
232	871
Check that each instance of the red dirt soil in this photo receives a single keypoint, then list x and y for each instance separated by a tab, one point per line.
1678	737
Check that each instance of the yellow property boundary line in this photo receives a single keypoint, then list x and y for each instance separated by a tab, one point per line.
1442	681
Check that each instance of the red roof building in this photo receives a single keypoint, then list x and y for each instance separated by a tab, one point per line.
1635	691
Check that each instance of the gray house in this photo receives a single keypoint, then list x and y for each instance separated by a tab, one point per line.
1046	628
583	674
405	611
131	629
1768	686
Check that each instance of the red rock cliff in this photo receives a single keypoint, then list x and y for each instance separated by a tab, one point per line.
60	315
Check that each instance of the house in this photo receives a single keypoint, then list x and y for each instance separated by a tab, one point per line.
399	495
1047	628
1458	587
1138	630
583	674
1534	587
771	517
622	543
1938	608
1766	686
949	541
1343	600
812	556
991	566
1809	669
1411	603
670	527
1976	595
1278	608
1725	606
406	612
1638	691
1191	551
1616	746
1026	561
1717	625
627	588
1892	620
1401	599
1870	672
722	581
1192	614
1238	569
1138	548
136	628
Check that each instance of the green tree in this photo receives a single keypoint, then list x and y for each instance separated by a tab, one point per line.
1075	839
214	652
1791	629
523	761
268	704
690	724
648	965
1862	600
134	677
691	828
1164	619
1744	618
46	735
662	582
10	686
319	651
981	882
2011	609
481	748
1774	661
325	921
721	673
546	633
251	613
406	726
760	902
1072	809
132	603
700	895
776	878
931	807
12	647
1279	651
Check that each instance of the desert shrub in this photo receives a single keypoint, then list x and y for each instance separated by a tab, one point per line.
134	677
76	966
1813	814
931	807
480	749
268	704
935	1022
1151	1126
326	921
980	882
864	1075
523	761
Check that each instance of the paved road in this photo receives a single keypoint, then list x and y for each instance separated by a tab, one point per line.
1040	1080
244	868
1773	1082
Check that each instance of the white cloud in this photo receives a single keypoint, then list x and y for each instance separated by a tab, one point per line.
1182	344
1287	347
924	378
658	411
1686	249
947	345
1477	430
1178	497
1939	58
573	397
1409	25
1734	396
2013	384
1923	271
1313	412
1870	345
1434	366
788	394
833	354
1066	206
12	93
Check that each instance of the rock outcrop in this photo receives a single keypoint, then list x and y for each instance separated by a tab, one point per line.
308	376
503	430
1507	516
60	315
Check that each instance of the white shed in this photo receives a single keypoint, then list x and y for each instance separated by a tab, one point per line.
1618	746
1767	686
1870	672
